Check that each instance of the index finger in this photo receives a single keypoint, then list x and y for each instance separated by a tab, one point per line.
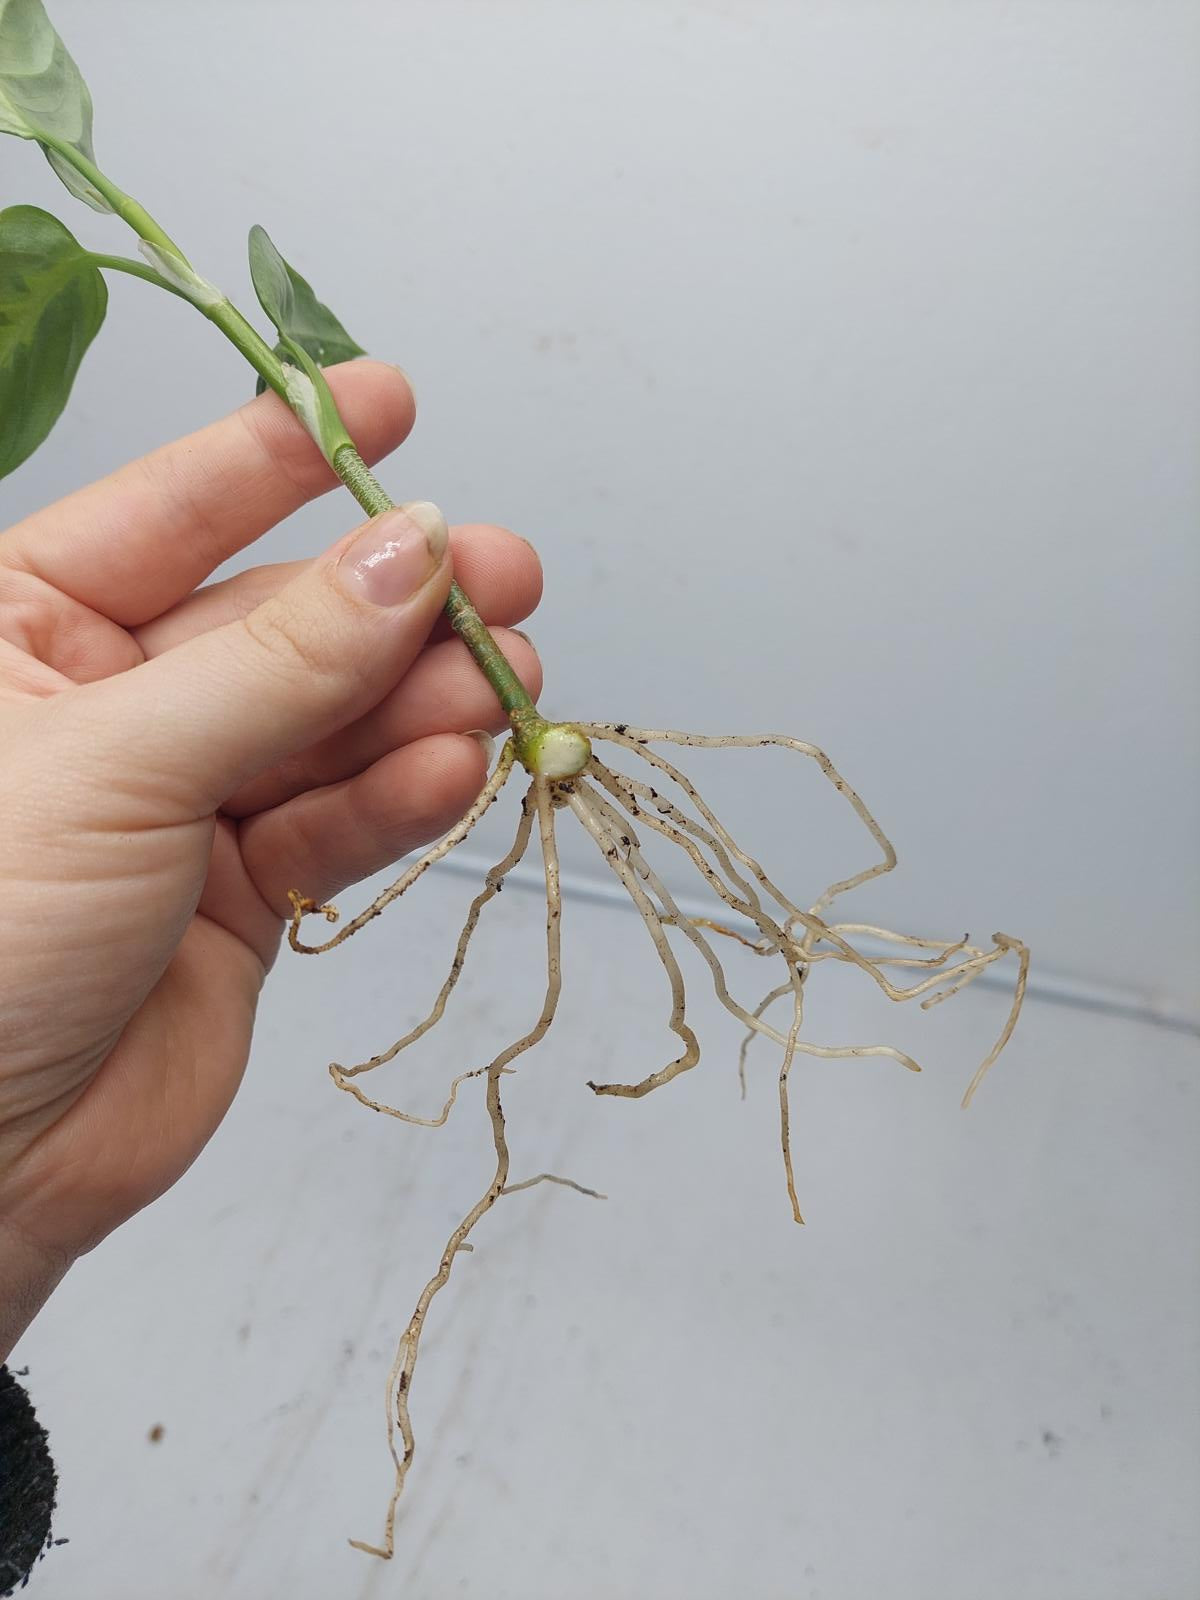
141	539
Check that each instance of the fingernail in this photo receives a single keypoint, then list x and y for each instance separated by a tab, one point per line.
428	516
485	742
521	634
394	554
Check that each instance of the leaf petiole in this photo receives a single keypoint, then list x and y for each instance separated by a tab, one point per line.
224	314
135	269
124	205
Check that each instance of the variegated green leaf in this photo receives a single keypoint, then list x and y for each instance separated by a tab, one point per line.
42	94
310	337
289	301
52	302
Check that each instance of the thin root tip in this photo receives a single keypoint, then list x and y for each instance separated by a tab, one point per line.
369	1549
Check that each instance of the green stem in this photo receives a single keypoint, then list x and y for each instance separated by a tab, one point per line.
125	206
242	334
135	269
225	315
527	723
464	619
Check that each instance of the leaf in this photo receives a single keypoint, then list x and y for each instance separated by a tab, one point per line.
52	302
43	95
289	301
310	337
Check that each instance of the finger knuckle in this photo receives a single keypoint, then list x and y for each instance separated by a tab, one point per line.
287	640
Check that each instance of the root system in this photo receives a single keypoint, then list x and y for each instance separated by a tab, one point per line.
618	811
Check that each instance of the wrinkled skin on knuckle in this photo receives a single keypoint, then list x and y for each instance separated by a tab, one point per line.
298	646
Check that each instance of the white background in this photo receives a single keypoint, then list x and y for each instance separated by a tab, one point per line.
841	360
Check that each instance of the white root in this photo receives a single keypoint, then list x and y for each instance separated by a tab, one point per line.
944	948
633	739
637	739
632	792
400	1375
610	849
612	807
1022	953
947	981
553	1177
492	885
763	1005
796	985
618	829
302	906
672	824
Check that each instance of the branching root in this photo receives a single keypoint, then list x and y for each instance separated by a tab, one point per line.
617	811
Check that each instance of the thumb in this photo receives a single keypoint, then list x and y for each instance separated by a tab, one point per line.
199	720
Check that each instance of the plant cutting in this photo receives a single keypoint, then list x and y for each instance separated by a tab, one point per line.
631	799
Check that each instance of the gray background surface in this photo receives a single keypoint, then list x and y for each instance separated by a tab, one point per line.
841	360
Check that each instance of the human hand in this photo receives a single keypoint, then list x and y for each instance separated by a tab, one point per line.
174	759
